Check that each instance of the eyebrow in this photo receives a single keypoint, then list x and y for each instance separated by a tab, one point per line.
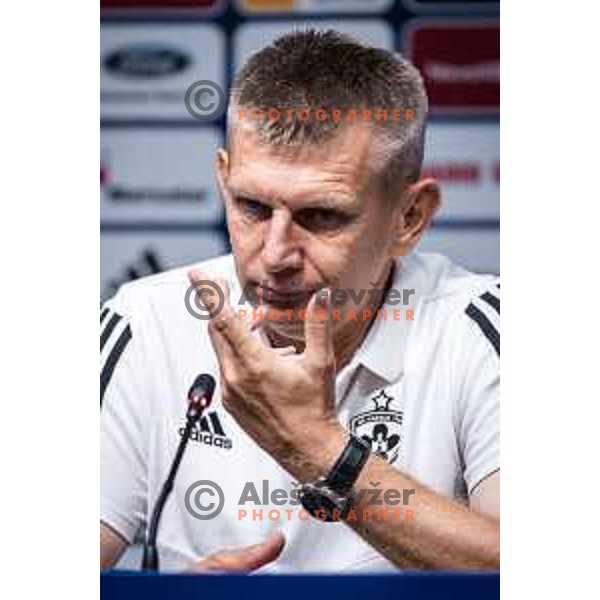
240	192
328	201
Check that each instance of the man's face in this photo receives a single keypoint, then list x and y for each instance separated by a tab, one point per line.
303	216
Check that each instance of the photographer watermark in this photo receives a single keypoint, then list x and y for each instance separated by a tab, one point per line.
303	314
205	500
194	305
349	115
205	100
295	297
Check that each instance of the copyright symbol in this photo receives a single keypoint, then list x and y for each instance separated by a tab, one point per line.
194	305
204	499
205	100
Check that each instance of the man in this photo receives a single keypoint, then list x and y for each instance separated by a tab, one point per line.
305	374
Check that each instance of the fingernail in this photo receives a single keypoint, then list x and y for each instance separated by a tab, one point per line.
324	297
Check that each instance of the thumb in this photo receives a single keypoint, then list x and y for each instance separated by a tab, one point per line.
247	558
318	329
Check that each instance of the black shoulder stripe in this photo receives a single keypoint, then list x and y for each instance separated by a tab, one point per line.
103	315
112	360
490	332
110	326
492	301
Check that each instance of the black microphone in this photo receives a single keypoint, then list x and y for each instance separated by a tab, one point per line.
199	399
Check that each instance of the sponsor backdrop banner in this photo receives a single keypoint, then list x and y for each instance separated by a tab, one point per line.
159	204
460	62
147	68
159	175
465	159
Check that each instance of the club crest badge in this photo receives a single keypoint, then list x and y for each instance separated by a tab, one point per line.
380	427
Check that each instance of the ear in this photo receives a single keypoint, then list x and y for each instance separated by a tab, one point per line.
222	170
414	214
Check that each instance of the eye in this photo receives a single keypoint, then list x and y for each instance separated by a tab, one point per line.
321	219
253	208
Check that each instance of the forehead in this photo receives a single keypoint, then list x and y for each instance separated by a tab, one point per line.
340	163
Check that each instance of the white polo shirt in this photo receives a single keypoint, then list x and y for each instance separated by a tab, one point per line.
423	392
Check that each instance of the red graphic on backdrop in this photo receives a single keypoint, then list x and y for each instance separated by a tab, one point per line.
454	171
460	63
104	174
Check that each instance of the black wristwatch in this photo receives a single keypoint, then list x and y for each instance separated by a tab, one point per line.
332	493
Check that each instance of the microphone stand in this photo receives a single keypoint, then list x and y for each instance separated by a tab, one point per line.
150	560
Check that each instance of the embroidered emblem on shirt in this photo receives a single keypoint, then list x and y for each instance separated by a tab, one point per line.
380	427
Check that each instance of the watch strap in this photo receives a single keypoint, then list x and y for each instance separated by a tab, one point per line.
348	466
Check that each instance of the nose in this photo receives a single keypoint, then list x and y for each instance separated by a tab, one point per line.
281	252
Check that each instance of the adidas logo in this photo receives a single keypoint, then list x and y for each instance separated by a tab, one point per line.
209	431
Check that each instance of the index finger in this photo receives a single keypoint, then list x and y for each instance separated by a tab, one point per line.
223	322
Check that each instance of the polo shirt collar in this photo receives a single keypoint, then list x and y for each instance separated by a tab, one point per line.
383	350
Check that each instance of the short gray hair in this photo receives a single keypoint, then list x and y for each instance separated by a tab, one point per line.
311	70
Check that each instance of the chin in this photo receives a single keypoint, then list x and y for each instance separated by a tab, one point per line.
285	331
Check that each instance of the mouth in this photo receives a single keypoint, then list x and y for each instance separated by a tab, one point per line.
284	297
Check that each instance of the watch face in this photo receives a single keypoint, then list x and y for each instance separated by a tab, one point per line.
323	503
311	500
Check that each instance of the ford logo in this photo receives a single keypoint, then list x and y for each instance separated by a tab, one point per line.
146	61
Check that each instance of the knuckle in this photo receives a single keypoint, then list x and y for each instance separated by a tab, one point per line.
227	374
227	313
258	369
220	324
234	381
257	378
